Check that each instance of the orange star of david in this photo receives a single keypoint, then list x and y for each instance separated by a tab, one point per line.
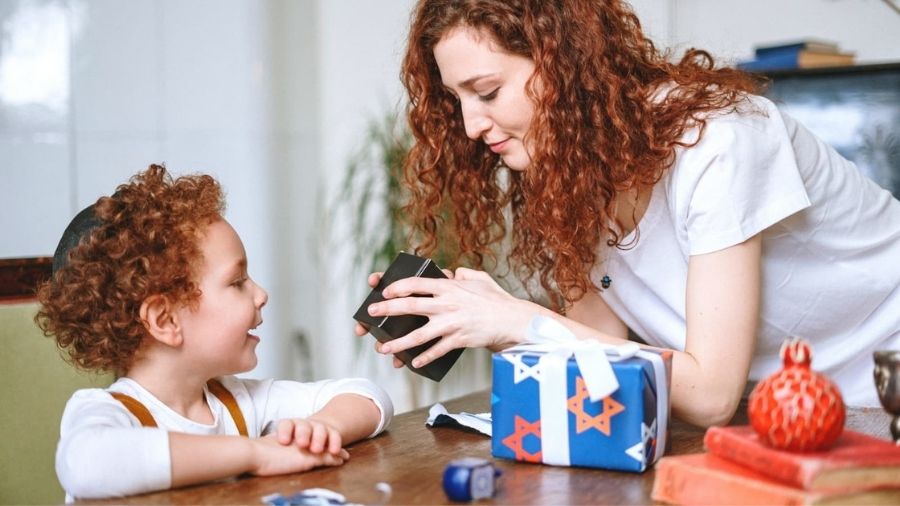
514	440
584	421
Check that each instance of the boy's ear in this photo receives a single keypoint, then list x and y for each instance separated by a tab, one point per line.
159	318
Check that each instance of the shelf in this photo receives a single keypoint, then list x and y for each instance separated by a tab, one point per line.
832	71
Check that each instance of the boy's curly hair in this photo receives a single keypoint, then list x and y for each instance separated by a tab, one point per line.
145	243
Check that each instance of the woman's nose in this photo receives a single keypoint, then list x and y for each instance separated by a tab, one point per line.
475	121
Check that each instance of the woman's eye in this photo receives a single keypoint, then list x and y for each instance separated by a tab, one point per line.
490	96
239	282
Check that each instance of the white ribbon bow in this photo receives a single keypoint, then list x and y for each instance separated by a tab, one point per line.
557	343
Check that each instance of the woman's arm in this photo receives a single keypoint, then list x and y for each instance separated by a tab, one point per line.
722	312
592	311
708	377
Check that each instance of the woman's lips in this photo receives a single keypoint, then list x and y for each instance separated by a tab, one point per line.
497	147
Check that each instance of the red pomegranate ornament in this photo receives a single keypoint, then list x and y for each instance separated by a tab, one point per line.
797	409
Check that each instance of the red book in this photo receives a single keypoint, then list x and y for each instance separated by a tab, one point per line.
702	478
855	461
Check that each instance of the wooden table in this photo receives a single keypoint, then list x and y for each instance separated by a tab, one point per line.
411	458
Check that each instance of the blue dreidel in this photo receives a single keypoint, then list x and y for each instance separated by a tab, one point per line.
470	479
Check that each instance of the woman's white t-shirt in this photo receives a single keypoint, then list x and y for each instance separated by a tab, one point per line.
830	245
105	452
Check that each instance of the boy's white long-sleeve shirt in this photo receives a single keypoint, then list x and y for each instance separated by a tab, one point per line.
105	452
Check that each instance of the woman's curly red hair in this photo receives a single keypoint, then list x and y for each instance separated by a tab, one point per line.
147	243
596	131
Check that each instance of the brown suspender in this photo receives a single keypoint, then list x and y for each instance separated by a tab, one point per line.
137	408
215	387
228	400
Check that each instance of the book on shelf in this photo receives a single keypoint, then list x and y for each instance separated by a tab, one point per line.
802	59
798	54
792	47
702	478
854	461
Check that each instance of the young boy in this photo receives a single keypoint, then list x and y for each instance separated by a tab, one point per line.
151	284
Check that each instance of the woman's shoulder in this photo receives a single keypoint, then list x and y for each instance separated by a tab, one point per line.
753	125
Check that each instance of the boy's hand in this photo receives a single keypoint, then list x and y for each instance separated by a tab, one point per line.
271	457
311	435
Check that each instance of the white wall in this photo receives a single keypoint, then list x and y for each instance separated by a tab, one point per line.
130	83
731	28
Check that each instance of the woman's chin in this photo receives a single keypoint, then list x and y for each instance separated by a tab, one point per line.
516	162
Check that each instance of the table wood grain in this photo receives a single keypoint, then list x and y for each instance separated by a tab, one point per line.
411	458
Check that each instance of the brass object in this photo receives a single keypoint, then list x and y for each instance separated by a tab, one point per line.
887	382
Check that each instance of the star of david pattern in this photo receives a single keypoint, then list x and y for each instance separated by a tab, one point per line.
647	434
642	450
598	437
584	421
515	441
636	451
521	370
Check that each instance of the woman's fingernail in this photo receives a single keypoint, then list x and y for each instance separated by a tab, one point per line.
417	362
373	310
385	349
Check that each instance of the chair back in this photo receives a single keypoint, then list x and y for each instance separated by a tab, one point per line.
36	383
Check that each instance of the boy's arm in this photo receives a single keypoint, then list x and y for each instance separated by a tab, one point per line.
354	416
202	458
114	462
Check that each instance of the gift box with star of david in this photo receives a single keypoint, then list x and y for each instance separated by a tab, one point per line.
542	410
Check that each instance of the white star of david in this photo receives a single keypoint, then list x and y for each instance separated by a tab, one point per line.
647	433
521	370
636	452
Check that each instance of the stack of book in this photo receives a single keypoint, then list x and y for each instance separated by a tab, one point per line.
809	53
738	468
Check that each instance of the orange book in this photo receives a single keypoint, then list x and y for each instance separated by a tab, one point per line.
811	59
855	461
702	478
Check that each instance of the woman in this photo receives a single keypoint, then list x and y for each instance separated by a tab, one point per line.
667	198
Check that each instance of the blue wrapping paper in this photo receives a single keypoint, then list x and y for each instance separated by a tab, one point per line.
620	431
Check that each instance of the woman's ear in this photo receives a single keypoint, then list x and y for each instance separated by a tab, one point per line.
161	321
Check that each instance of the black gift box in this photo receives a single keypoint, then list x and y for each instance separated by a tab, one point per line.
387	328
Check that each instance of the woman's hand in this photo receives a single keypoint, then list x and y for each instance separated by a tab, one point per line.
468	310
362	330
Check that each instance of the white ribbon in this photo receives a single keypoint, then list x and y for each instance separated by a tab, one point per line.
557	344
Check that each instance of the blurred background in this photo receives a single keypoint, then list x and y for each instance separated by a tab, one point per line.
275	99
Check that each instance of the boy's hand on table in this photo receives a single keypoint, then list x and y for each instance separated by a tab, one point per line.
271	457
314	436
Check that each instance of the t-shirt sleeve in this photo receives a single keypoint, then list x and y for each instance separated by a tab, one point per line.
104	452
739	179
293	399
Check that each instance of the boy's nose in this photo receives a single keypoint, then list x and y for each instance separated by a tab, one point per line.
261	297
